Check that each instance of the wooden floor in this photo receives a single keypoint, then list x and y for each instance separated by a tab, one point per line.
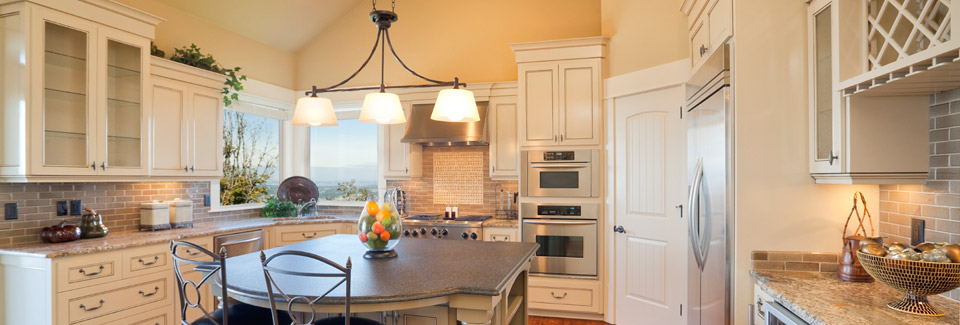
534	320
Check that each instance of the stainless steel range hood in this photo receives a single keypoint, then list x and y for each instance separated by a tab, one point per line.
422	130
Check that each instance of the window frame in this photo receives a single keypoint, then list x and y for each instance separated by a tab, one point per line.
347	108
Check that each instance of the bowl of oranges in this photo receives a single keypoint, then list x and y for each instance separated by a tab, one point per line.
379	230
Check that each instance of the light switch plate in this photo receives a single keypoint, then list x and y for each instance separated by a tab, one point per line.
916	231
10	211
76	207
206	200
62	208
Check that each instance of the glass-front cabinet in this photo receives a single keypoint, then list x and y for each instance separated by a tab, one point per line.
86	112
825	109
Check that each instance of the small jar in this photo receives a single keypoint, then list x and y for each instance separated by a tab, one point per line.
181	213
154	216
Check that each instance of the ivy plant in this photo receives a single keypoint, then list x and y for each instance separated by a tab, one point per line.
156	51
193	57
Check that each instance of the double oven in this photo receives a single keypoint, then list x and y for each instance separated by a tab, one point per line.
567	232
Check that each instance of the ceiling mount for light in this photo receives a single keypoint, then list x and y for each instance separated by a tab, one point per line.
453	105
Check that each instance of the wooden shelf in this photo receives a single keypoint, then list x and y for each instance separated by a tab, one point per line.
925	77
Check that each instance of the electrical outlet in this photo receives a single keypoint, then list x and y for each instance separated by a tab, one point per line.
206	200
76	207
10	211
916	231
62	208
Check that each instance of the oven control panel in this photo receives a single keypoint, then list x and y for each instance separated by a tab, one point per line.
558	155
558	210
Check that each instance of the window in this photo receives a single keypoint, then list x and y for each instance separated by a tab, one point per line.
343	159
251	158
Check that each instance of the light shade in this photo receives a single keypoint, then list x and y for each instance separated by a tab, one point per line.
314	111
455	105
382	108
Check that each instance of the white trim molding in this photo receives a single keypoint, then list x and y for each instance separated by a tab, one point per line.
649	79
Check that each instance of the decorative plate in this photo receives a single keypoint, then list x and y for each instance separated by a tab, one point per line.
298	189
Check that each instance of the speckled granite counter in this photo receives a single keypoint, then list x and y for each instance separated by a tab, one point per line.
127	240
821	298
501	223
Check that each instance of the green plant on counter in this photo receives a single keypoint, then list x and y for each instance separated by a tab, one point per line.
278	209
193	57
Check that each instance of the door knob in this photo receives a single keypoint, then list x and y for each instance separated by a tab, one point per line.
618	229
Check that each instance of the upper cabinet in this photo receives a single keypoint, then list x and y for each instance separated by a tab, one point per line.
74	90
502	130
710	24
187	115
399	160
559	93
858	139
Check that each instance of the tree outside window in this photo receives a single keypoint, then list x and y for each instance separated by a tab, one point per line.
251	158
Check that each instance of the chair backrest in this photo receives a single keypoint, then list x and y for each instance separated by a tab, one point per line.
274	292
216	266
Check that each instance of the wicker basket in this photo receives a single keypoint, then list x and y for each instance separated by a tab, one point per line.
915	279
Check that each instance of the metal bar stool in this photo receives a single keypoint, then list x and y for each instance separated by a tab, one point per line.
274	292
230	314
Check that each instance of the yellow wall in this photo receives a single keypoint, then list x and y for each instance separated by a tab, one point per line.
778	206
443	39
643	34
257	60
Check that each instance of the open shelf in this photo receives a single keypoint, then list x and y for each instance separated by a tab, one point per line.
513	307
925	77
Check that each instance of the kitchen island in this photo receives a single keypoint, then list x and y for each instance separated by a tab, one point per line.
475	282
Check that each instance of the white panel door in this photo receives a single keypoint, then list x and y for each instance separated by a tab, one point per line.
650	181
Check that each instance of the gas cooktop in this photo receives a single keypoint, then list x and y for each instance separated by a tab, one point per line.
433	226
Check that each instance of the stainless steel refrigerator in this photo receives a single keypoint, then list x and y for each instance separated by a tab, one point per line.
709	117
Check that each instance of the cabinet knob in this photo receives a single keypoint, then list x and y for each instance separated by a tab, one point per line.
832	157
103	165
191	168
186	169
561	138
94	165
554	138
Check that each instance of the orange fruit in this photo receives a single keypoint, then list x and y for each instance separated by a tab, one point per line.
372	208
383	214
385	236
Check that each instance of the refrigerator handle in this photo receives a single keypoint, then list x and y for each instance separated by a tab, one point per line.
694	210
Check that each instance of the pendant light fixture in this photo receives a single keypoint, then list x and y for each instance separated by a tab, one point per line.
382	107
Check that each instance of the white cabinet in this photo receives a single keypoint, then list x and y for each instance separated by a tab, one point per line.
859	139
399	160
187	116
559	92
710	24
501	234
504	150
436	315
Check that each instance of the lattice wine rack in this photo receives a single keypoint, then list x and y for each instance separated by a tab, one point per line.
900	28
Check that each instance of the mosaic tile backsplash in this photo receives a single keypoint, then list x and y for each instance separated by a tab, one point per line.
458	178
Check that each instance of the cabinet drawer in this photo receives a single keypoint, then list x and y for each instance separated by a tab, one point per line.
699	43
193	254
81	305
87	270
562	296
294	234
162	316
148	260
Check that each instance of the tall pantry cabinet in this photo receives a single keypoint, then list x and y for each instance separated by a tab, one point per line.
73	89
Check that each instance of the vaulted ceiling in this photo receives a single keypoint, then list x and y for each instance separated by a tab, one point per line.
286	24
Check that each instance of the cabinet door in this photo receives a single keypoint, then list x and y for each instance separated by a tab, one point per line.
63	131
122	115
169	114
825	109
425	316
12	91
720	17
504	150
539	104
699	42
401	160
580	102
206	132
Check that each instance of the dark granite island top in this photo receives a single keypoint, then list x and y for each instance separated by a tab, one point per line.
426	273
821	298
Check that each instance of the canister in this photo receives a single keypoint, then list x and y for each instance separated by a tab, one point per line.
181	213
154	216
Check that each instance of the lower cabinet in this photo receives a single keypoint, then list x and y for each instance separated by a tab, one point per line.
436	315
501	234
286	235
564	295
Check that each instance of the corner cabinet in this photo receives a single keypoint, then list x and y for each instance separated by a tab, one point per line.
710	24
560	92
857	139
399	160
73	90
187	121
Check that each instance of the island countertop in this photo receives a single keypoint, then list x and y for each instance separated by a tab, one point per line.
821	298
423	269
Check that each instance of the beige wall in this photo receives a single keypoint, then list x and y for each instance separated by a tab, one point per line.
443	39
257	60
643	34
778	206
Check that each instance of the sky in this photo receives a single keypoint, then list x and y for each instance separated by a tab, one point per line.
344	152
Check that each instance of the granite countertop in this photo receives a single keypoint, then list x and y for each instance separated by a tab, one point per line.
501	223
423	269
136	239
821	298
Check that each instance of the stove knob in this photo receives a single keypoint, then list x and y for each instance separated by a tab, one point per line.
406	233
415	233
423	231
464	235
473	235
443	232
433	231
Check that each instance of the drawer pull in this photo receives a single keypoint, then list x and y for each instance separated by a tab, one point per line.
84	307
192	253
155	260
155	290
560	297
84	272
305	235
